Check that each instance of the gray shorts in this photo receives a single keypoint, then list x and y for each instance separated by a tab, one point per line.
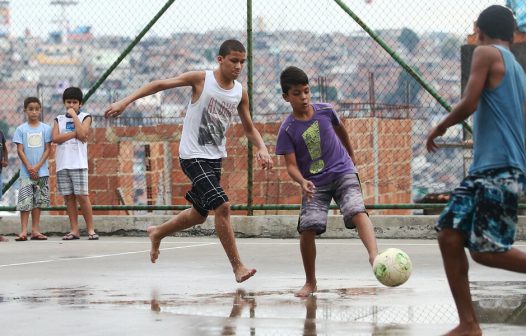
346	192
72	182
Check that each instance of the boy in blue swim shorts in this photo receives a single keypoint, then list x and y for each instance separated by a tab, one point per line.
482	212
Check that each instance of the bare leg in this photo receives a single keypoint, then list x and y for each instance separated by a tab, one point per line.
71	205
308	255
35	223
185	219
226	235
366	233
87	212
512	260
456	266
24	219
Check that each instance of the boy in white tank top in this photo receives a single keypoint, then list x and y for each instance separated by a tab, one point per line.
70	133
216	95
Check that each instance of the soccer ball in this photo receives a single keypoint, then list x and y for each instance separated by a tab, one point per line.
392	267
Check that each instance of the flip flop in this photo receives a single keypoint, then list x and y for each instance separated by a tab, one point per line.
93	237
39	236
70	236
21	238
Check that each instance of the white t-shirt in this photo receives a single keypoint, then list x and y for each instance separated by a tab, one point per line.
207	120
71	154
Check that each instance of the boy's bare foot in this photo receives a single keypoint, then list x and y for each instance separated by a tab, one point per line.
306	290
242	273
3	239
156	242
465	330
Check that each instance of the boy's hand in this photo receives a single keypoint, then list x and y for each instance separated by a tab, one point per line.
33	173
4	163
71	112
115	110
264	159
308	188
430	142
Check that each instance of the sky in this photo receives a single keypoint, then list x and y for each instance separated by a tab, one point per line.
128	17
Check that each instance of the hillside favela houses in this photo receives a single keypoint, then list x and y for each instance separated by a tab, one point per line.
133	159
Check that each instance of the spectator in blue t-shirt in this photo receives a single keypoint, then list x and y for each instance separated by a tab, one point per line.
33	139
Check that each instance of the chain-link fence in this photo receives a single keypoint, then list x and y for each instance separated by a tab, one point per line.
49	45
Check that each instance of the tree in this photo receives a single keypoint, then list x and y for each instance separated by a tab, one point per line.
409	39
450	47
4	127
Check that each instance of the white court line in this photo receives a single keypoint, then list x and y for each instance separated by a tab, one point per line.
145	241
100	256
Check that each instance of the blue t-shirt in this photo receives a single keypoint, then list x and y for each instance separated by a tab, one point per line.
499	123
34	141
320	155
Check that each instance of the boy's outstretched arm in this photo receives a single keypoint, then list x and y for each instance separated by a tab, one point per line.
484	57
195	79
292	168
252	133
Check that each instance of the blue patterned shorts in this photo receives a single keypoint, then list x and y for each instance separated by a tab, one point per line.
484	209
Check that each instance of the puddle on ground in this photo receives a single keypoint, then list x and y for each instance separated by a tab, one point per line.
495	302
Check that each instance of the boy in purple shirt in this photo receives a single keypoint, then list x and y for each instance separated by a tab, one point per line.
319	156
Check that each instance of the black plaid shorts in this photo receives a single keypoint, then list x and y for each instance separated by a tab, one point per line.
206	193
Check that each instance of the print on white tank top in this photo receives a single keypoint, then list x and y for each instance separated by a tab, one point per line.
207	120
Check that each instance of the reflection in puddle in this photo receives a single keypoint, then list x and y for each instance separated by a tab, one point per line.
243	312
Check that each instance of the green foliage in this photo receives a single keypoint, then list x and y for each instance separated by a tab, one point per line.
210	55
409	39
330	93
4	127
450	47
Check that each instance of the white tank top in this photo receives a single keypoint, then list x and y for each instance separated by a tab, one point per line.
71	154
207	120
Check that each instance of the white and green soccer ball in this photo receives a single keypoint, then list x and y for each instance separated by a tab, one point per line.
392	267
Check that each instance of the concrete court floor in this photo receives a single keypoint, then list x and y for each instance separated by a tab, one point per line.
109	287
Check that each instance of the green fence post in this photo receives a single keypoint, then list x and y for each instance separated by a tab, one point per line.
250	91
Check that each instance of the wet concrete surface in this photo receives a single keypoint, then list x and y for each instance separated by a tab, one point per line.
109	287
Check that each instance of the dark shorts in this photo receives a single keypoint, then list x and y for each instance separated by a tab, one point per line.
484	209
206	193
346	192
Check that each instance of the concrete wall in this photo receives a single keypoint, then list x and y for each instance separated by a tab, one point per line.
399	227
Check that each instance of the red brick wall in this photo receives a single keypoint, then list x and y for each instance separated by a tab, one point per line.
111	151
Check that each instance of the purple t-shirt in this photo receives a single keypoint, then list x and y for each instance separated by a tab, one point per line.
320	155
